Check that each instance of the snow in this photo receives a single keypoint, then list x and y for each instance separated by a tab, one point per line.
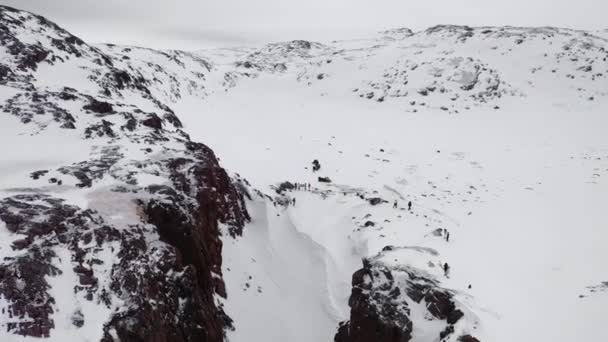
271	271
521	188
6	240
67	303
25	151
522	191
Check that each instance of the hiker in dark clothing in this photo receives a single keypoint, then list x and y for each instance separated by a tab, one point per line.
294	201
395	204
447	237
446	269
409	205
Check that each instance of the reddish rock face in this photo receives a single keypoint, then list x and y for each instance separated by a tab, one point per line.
156	273
169	289
192	230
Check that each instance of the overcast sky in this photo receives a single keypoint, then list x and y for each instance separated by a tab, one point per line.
193	24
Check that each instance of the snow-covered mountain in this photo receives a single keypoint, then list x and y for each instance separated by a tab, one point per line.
118	224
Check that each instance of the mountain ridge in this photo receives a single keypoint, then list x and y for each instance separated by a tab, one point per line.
118	225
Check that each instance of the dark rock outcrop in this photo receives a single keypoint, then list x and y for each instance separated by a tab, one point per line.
376	200
467	338
99	107
379	304
373	315
285	186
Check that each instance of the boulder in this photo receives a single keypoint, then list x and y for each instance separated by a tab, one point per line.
376	200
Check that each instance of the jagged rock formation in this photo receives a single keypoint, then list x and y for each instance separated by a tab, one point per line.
387	301
123	243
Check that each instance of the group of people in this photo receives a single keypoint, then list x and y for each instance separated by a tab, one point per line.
445	232
297	186
301	186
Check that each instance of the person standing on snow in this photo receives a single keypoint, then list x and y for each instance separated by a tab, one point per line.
395	204
446	269
409	205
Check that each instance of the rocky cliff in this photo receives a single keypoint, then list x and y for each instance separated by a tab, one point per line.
122	242
389	301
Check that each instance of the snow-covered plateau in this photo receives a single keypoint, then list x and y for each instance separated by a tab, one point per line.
447	185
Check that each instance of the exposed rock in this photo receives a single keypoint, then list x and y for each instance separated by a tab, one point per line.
152	260
153	121
379	303
467	338
374	318
316	166
99	107
104	128
38	174
376	200
285	186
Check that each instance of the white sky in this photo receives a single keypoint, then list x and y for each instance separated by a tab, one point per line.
200	23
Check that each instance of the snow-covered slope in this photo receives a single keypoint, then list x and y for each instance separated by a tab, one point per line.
113	216
109	213
508	153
